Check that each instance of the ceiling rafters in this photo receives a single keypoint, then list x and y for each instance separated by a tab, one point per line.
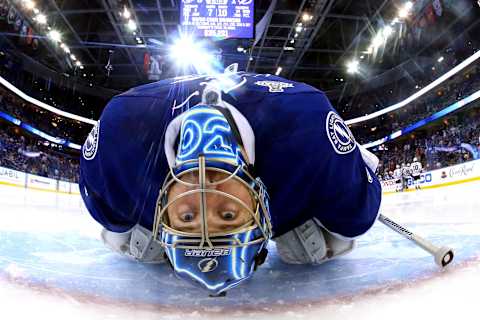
120	37
367	24
326	7
290	32
262	43
50	48
72	30
342	32
162	19
139	31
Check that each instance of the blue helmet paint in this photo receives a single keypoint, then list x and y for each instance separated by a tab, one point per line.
215	262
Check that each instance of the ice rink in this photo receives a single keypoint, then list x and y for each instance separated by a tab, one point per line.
52	265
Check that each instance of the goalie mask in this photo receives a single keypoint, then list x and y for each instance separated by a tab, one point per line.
212	213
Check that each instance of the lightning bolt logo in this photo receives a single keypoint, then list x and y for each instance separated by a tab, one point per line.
208	265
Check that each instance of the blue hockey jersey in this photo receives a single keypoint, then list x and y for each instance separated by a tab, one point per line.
305	154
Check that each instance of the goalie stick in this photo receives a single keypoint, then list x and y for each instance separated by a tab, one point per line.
443	256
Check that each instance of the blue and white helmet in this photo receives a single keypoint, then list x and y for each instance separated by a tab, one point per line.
211	139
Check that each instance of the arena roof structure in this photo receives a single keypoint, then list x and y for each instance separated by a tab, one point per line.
327	43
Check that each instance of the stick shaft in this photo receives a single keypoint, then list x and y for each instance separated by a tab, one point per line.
421	242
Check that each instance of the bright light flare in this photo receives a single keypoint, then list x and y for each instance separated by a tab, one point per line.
352	66
55	35
387	32
65	48
377	41
306	17
405	11
131	25
29	4
440	59
41	18
187	52
279	70
126	13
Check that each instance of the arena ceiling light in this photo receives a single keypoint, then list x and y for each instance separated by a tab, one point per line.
131	25
188	53
126	13
377	41
55	35
65	48
299	27
306	17
29	4
353	66
51	33
40	18
387	32
405	11
409	5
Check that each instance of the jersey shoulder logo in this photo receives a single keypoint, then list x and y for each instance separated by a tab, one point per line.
274	86
339	134
91	144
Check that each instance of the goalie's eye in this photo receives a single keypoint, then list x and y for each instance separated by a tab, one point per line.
228	215
187	217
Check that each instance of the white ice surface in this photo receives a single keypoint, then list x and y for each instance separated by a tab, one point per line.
452	295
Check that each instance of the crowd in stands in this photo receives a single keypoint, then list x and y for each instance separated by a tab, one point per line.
46	121
453	90
53	92
448	141
27	154
451	141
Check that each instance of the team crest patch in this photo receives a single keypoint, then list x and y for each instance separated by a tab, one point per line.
91	144
339	134
274	86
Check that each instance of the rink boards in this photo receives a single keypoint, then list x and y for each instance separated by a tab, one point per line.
16	178
465	172
460	173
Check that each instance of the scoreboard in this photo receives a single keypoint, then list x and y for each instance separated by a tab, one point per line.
218	18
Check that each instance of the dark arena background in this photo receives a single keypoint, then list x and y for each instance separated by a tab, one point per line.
404	75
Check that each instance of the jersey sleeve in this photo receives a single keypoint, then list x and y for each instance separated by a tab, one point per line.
122	163
316	168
